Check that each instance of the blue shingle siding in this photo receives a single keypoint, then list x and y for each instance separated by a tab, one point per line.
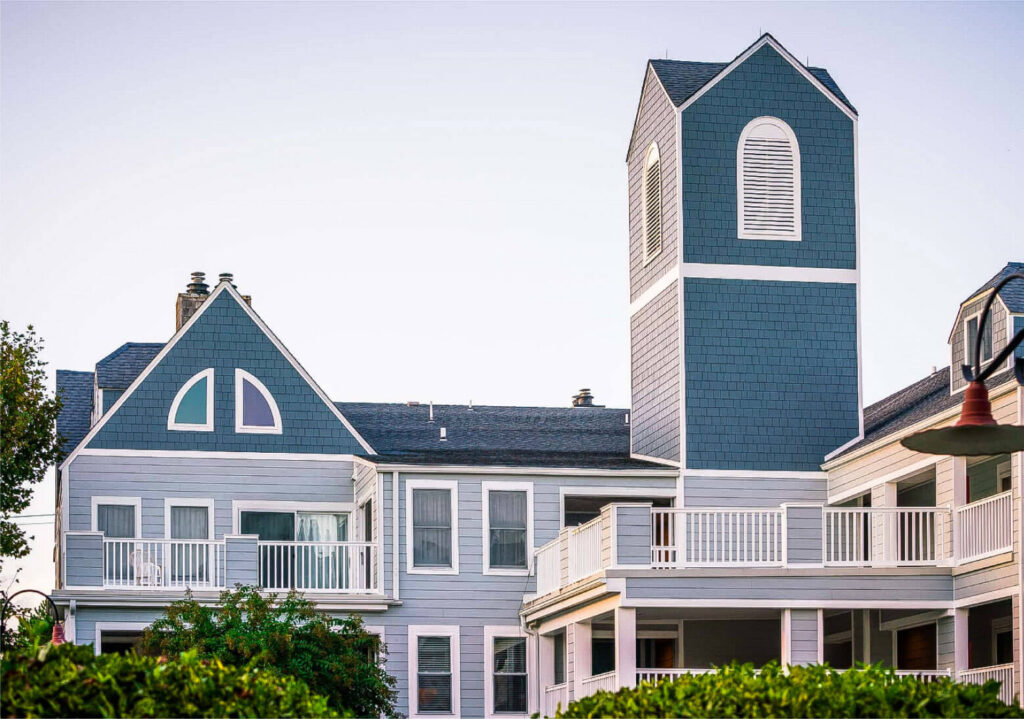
75	392
120	368
224	338
771	373
110	396
766	84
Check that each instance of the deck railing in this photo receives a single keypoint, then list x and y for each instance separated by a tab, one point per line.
596	683
717	537
163	563
318	566
925	675
549	567
585	550
985	527
555	695
1002	673
908	536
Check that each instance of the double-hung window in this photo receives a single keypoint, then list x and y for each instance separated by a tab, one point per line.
971	340
506	680
434	670
432	529
508	527
119	519
188	522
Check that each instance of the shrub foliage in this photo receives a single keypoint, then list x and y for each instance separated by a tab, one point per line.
805	691
336	657
70	681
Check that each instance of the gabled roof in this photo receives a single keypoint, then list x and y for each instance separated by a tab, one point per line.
120	368
683	79
1012	294
75	391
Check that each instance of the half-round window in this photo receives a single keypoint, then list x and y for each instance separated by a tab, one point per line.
768	181
255	408
652	203
192	408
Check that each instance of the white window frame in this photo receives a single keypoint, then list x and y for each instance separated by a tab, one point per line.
433	630
170	502
485	489
652	153
966	339
490	634
378	630
270	505
208	426
136	502
101	627
610	491
797	184
453	487
240	375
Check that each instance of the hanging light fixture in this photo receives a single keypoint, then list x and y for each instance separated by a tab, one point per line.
977	433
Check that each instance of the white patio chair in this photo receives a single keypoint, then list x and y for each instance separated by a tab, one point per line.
149	574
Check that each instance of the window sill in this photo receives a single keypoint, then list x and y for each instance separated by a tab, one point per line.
506	572
432	570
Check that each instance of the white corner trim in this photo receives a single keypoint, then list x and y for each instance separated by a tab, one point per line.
207	502
136	502
767	39
654	289
497	486
416	631
241	376
772	273
743	232
115	627
490	634
453	488
207	426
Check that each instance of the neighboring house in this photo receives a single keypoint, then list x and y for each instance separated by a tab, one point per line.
746	507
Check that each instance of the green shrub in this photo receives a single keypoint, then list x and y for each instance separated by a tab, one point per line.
70	681
805	691
336	657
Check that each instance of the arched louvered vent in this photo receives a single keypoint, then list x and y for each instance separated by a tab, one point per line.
652	203
768	181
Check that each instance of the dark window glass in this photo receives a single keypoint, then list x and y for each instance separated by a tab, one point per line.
255	408
510	675
507	517
434	675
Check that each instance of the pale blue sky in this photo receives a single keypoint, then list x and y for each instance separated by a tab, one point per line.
427	201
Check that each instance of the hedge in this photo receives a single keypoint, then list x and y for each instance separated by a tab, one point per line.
804	691
70	681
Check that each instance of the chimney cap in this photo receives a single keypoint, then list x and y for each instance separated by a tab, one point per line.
584	399
198	284
227	277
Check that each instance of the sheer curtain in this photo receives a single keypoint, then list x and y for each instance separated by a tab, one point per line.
507	511
116	521
432	528
189	560
323	567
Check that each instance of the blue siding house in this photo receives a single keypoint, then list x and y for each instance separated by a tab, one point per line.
745	507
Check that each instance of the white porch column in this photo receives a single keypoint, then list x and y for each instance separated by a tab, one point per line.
960	642
581	656
625	647
546	670
959	500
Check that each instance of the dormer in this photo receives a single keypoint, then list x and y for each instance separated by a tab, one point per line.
1006	318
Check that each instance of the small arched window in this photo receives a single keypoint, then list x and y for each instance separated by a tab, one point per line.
192	408
768	181
255	409
652	203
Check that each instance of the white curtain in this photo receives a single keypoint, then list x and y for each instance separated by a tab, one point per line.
432	527
323	567
189	560
507	512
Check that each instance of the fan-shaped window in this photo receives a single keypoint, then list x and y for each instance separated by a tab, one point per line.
192	408
255	408
652	203
768	181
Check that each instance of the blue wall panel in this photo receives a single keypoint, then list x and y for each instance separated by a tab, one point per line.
224	337
771	373
766	84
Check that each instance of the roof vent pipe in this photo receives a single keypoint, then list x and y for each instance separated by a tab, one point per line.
431	417
627	417
470	405
444	434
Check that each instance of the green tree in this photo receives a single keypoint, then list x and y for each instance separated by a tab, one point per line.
28	435
336	657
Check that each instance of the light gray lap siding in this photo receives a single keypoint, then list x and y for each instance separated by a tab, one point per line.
804	639
1003	577
155	479
655	367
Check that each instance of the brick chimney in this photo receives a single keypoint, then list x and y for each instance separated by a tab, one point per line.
195	294
584	399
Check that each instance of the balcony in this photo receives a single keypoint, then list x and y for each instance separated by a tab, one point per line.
93	561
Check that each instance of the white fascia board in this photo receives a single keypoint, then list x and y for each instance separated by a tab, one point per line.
753	474
767	39
643	94
534	471
777	273
222	287
654	290
200	454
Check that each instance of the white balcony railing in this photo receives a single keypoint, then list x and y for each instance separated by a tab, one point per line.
907	536
585	550
1002	673
549	567
925	675
318	566
654	676
985	527
717	537
163	563
597	683
554	696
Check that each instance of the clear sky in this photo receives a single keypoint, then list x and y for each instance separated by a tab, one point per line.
428	201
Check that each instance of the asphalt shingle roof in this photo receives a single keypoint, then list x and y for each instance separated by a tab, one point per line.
75	391
120	368
1013	293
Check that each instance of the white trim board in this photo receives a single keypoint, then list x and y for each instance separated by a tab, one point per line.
485	489
515	471
199	454
498	632
639	492
272	505
136	502
769	273
101	627
224	286
433	630
453	488
753	474
869	484
654	290
207	502
241	376
207	426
